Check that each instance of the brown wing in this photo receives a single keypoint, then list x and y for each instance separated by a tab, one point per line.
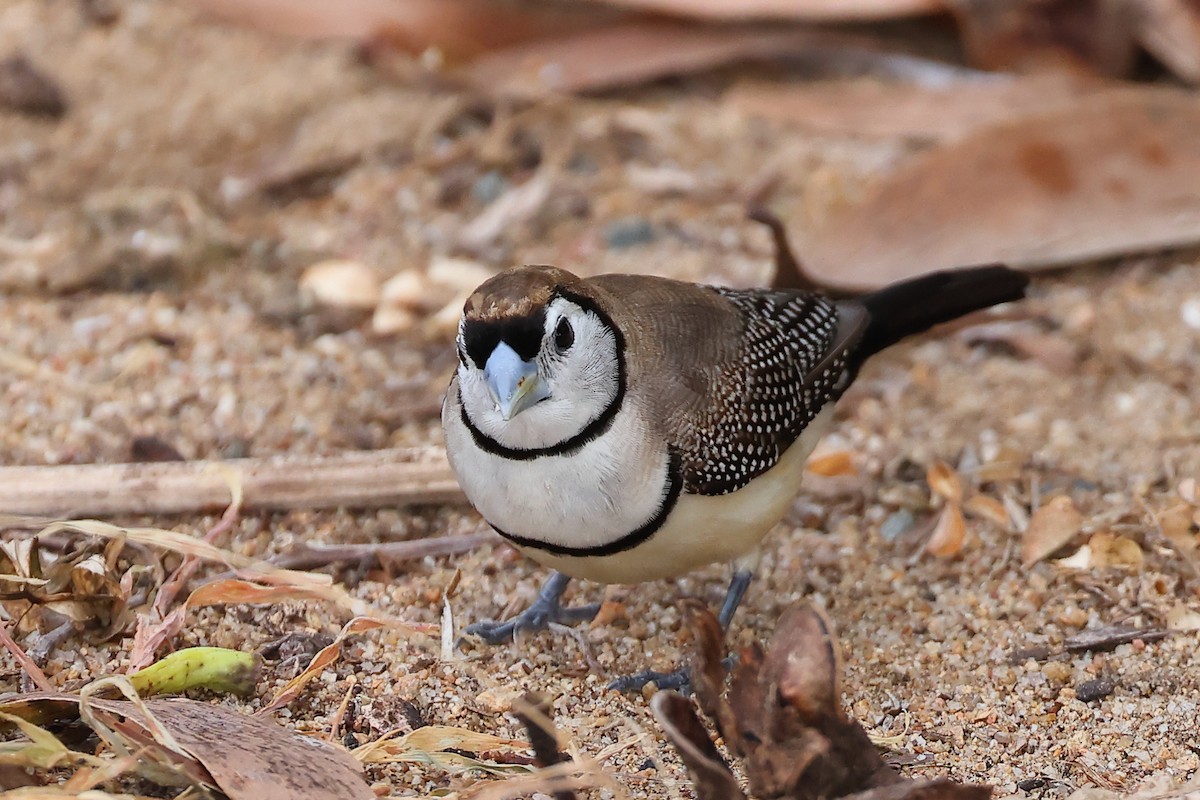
733	376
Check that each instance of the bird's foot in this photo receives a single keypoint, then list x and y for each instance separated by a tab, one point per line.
537	617
680	680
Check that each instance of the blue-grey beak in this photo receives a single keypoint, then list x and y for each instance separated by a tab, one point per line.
512	381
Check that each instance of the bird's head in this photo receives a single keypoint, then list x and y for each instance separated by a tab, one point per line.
540	360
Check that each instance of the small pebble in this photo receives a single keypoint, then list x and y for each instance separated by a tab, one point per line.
1096	689
628	232
490	185
896	525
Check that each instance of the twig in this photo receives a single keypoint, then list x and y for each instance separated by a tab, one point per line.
395	477
314	556
31	669
48	641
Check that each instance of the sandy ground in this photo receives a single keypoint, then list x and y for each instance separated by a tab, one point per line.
154	239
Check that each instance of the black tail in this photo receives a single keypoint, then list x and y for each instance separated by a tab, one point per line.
916	305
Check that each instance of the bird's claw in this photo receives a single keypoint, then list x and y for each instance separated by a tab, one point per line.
680	680
538	617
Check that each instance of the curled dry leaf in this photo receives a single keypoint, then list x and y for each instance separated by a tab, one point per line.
1109	550
88	585
948	535
1050	527
1112	172
989	508
446	747
830	465
944	482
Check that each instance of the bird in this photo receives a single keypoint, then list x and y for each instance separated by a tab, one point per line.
626	428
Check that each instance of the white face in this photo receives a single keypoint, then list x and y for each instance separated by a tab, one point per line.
578	372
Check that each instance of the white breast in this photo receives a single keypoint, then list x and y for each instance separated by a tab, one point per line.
611	486
586	498
704	529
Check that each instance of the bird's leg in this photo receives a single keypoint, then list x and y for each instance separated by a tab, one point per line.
681	678
545	610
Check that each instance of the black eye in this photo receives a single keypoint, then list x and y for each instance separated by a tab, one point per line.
564	336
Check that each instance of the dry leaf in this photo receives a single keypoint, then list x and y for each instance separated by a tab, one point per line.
1050	527
341	283
1107	550
1114	172
809	10
40	587
830	465
1170	29
1182	618
446	747
944	482
246	758
863	107
948	535
988	508
457	28
627	54
1036	35
326	656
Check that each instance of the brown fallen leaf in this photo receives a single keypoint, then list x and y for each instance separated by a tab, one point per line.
245	757
1170	30
1114	172
868	107
809	10
459	29
1050	527
628	54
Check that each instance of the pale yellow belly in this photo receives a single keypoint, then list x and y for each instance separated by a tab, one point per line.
701	529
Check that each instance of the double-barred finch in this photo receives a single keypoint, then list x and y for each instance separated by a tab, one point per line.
626	428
